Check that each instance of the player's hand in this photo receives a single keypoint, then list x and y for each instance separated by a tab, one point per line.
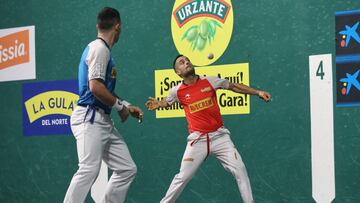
124	114
136	112
152	104
264	96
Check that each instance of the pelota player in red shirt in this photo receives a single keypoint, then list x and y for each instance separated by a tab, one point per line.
208	136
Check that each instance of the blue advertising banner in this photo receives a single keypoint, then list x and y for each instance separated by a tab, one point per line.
47	107
347	35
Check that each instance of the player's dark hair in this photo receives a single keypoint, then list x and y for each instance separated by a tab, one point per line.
107	18
178	56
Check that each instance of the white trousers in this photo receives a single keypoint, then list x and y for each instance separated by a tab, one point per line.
195	153
95	142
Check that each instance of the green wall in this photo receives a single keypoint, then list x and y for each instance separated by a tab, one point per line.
275	37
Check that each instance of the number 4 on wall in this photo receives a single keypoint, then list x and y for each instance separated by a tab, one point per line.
320	70
322	128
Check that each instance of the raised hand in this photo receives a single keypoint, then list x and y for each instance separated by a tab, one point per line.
264	96
152	104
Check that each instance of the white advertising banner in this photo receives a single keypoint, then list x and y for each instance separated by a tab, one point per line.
17	53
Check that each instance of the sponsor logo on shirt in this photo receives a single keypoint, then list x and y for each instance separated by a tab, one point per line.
187	96
113	72
201	105
206	89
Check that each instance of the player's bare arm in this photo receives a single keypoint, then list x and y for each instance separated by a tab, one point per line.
99	90
152	104
244	89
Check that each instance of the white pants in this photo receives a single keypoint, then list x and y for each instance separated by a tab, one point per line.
95	142
195	153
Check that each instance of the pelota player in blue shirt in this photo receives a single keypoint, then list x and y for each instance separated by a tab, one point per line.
97	138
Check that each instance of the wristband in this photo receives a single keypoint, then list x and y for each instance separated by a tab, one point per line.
118	105
127	104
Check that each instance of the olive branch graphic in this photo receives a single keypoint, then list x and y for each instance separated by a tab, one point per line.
198	36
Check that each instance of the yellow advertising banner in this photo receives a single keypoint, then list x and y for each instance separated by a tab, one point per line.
49	103
228	101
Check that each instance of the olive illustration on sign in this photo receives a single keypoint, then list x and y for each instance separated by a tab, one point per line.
200	35
204	29
212	26
192	34
201	42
